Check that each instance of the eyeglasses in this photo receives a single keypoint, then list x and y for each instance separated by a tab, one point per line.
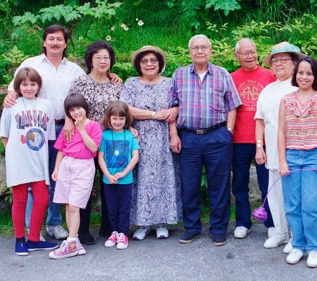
100	58
204	48
281	60
152	61
251	53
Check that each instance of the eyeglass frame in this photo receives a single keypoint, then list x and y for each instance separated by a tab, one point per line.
151	60
100	58
246	53
282	60
203	48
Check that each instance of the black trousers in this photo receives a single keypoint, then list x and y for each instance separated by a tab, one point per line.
85	213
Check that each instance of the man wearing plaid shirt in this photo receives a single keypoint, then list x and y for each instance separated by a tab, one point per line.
202	134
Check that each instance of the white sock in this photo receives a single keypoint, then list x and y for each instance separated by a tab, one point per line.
70	239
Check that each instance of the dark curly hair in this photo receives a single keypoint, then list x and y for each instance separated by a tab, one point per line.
93	48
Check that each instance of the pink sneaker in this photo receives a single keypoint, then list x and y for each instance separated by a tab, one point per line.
112	240
67	249
122	241
81	250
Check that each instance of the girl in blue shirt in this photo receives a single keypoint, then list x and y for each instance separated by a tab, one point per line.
118	154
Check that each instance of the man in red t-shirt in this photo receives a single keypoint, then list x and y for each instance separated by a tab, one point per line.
249	80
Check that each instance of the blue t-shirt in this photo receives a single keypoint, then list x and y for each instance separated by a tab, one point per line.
117	148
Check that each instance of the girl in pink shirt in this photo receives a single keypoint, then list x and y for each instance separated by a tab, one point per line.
75	170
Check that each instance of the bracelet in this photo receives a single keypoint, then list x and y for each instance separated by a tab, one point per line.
153	114
259	141
259	145
229	129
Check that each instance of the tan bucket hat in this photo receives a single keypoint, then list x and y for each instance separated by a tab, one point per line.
283	47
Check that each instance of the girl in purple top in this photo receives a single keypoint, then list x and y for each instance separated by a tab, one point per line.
75	170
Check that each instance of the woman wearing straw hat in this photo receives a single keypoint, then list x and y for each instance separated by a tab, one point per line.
156	191
282	60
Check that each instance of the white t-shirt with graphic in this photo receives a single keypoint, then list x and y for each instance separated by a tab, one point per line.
28	126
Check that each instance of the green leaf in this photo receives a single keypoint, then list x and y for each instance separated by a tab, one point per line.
225	5
27	17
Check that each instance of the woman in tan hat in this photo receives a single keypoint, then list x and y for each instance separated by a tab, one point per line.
156	191
282	59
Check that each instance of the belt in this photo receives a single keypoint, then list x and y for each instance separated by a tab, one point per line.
59	121
204	131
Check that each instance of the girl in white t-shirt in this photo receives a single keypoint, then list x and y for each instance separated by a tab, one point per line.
25	130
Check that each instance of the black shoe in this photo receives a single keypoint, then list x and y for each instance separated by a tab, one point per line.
219	239
86	238
104	234
188	237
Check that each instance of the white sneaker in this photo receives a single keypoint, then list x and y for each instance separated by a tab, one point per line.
241	232
57	231
270	231
112	240
312	259
161	232
122	241
294	256
288	248
141	233
276	240
81	250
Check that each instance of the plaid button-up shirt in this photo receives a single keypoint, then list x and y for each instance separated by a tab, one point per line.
203	104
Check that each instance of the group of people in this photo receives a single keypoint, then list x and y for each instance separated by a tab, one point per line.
165	130
276	126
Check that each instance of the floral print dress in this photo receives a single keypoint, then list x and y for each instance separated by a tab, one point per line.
156	189
98	95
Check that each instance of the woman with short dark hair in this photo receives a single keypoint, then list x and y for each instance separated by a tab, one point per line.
99	91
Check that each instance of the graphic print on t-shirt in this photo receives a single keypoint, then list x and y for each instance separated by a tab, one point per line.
36	120
249	93
117	153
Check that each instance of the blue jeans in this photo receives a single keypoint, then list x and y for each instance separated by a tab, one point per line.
214	151
300	198
243	155
54	216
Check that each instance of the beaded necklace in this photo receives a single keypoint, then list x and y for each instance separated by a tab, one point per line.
119	157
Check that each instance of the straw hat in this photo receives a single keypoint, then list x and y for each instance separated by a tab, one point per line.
147	49
283	47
